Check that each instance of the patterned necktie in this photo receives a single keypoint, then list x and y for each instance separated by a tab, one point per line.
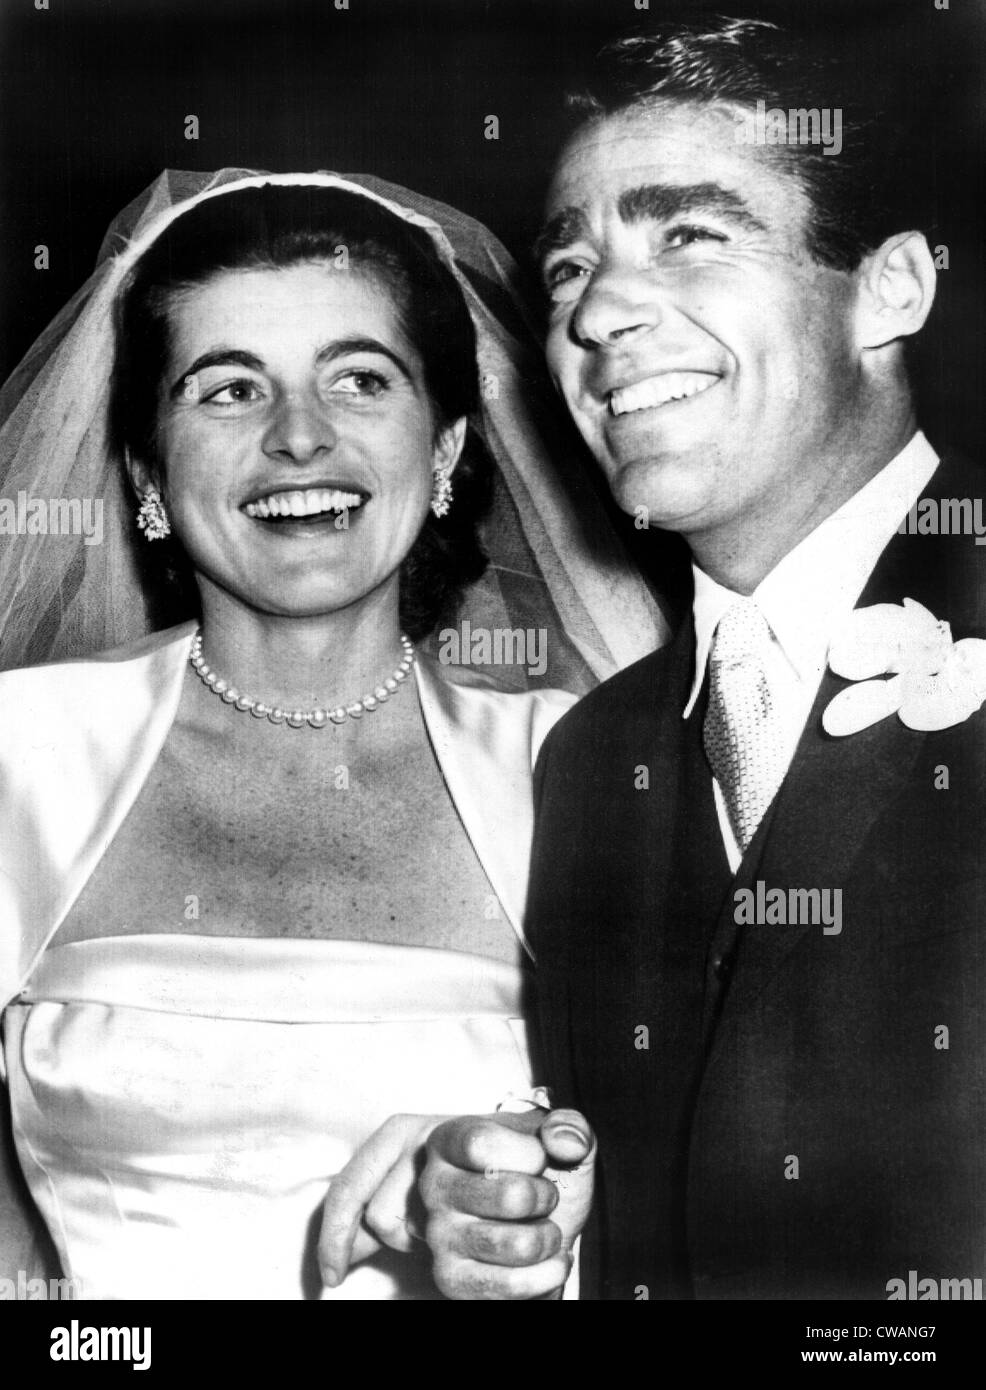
741	735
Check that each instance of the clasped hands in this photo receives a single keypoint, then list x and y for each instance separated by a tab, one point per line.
499	1200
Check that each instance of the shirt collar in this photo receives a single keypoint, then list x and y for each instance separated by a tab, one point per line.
815	586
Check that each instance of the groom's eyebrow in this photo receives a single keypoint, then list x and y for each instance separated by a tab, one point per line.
561	229
660	202
654	202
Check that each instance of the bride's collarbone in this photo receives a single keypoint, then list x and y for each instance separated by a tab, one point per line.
296	789
372	753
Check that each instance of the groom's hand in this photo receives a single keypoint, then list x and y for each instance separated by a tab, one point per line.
506	1197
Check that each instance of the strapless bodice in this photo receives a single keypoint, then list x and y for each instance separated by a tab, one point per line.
181	1103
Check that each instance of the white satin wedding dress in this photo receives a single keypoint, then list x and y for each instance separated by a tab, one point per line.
180	1102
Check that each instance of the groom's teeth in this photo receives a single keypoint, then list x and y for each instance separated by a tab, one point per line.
658	390
310	502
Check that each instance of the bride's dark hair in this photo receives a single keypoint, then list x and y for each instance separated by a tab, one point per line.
274	226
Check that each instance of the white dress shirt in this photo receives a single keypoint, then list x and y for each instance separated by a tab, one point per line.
808	596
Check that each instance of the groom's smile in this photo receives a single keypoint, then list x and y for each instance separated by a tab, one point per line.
665	388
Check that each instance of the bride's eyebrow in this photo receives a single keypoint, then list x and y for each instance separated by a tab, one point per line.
237	357
341	346
218	357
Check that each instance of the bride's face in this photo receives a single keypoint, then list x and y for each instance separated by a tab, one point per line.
296	436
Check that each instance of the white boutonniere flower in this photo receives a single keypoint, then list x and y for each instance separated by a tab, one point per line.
921	675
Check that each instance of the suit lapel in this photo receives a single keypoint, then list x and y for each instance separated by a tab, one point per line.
663	877
835	792
837	788
681	805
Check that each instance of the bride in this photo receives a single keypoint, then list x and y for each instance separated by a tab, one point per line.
262	874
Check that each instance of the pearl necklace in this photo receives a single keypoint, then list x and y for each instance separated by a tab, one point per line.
296	719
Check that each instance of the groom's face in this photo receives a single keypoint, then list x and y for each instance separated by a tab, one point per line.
707	360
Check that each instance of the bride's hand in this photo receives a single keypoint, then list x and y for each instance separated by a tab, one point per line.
373	1202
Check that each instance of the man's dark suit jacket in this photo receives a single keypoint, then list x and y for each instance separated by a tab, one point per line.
779	1112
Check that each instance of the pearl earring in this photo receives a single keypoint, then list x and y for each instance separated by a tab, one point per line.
152	518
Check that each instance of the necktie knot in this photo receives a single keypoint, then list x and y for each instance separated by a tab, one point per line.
742	635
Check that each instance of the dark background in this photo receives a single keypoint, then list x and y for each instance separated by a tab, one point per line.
94	94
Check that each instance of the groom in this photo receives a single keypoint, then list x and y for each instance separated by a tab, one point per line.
759	916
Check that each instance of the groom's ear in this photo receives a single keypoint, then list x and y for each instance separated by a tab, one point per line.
895	290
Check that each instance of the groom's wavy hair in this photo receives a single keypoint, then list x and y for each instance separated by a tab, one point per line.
276	226
876	186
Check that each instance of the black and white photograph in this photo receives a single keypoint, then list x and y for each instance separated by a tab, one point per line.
493	662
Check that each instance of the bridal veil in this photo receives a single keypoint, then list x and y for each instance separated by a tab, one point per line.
556	563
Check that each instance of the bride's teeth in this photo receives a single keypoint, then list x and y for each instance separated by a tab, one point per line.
310	502
659	390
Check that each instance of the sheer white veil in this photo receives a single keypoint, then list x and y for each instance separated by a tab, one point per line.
555	561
